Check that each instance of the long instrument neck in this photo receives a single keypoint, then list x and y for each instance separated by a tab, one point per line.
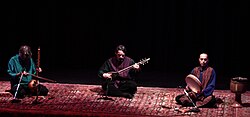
38	59
127	68
139	63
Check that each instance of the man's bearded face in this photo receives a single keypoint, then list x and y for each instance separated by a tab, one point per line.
25	53
120	55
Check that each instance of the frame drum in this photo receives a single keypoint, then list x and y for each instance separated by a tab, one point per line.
193	83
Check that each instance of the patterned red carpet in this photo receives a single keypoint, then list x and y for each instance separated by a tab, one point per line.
86	100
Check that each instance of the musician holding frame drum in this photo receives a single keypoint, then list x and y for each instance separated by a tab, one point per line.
200	85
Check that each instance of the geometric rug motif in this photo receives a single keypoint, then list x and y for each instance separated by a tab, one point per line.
86	100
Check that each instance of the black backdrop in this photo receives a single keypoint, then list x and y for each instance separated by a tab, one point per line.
172	33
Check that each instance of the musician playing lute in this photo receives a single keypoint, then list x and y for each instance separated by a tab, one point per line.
118	74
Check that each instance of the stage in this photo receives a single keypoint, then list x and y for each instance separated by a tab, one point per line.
87	100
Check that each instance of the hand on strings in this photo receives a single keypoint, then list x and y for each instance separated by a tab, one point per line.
25	73
107	75
39	69
136	66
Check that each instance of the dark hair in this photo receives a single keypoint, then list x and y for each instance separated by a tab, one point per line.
25	50
120	47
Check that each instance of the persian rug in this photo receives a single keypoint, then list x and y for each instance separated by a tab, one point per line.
89	100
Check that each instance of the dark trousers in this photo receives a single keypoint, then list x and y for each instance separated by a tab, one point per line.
183	100
114	88
23	91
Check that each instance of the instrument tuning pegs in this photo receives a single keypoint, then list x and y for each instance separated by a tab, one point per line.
144	61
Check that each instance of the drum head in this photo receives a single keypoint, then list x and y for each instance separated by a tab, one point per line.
193	83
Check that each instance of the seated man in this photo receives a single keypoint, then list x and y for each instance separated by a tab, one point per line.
22	66
207	78
121	84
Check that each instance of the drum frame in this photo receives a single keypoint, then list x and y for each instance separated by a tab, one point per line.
193	83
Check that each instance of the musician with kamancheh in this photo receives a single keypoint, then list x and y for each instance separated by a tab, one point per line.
22	70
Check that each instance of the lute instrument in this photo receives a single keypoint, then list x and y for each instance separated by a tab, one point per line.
34	82
35	78
114	74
